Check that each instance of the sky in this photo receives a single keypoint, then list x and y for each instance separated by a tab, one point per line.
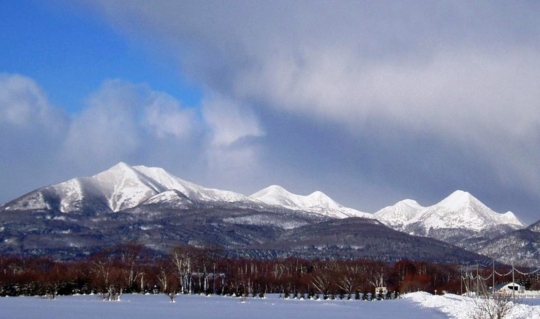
370	102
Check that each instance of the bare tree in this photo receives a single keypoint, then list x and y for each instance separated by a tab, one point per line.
347	284
107	276
182	261
129	255
52	281
377	279
322	284
496	306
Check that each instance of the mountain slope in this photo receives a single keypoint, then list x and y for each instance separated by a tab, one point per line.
534	227
317	203
115	189
400	214
459	219
121	187
125	187
460	210
192	191
368	238
522	247
152	206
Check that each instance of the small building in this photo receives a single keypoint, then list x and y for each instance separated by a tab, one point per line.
381	290
509	288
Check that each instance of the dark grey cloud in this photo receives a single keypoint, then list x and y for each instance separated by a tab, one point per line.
370	102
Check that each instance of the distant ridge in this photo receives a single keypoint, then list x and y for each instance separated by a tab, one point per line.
460	210
151	205
317	202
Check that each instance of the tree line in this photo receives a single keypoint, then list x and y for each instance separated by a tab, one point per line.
130	268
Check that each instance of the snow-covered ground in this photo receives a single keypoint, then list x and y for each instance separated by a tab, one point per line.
416	305
456	306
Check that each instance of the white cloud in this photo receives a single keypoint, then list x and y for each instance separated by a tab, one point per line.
120	121
30	134
164	117
107	128
132	123
24	104
229	121
233	151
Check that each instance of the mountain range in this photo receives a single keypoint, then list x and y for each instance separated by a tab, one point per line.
150	205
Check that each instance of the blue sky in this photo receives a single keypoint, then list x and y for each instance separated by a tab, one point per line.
369	102
69	53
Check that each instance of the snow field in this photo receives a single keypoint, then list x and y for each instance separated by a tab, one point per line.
200	307
419	305
462	307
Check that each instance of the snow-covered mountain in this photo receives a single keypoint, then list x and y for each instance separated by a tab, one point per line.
521	247
192	191
149	204
316	202
400	214
124	187
460	210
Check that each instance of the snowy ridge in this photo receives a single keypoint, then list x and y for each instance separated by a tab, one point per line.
317	202
123	187
120	187
170	199
73	194
192	191
460	210
400	214
31	201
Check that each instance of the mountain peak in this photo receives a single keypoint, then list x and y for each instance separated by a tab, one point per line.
277	188
320	196
120	166
275	195
398	215
462	210
458	200
119	169
271	191
409	203
512	219
317	202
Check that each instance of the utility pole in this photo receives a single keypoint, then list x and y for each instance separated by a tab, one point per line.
477	282
493	274
461	279
513	284
214	284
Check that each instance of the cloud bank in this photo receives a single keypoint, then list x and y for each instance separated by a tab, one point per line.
120	121
370	102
